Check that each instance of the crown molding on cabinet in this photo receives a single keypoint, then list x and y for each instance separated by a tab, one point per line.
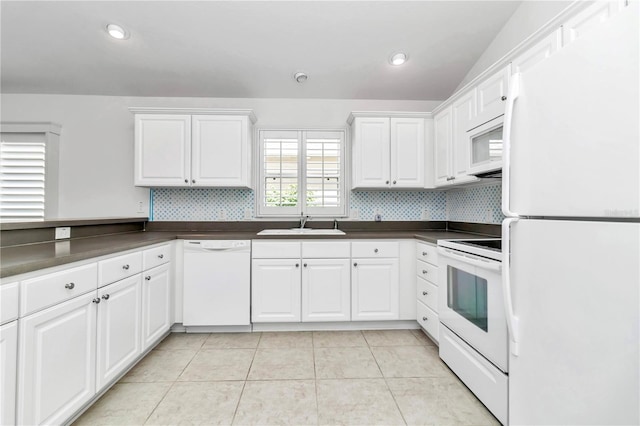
553	24
207	111
390	114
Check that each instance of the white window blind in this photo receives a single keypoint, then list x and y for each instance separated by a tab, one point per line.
22	180
301	173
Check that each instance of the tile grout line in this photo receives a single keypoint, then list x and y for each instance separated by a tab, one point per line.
246	378
315	377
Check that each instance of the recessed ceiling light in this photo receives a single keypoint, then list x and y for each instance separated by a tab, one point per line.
116	31
398	58
300	77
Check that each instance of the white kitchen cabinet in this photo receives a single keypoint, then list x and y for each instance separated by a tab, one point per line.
326	290
589	18
375	289
57	353
388	151
537	53
275	290
210	149
491	97
427	289
156	299
443	146
8	368
119	328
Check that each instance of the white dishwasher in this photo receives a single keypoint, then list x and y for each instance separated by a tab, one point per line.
217	277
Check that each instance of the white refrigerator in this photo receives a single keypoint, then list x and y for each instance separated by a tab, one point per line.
571	194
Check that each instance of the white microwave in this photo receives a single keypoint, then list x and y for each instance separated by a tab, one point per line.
485	148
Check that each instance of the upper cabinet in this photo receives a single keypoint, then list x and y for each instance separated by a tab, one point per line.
389	150
193	150
491	95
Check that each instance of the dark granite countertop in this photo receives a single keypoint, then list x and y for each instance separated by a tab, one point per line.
20	259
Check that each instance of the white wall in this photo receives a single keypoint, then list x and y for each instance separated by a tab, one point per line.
96	145
529	17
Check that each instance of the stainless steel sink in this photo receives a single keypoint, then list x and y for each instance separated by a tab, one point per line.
301	231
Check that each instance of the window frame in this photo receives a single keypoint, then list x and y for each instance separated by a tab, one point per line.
301	208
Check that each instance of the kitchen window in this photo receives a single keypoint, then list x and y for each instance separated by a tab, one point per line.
301	172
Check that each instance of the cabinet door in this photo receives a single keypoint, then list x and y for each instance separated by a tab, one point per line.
156	312
275	290
589	19
371	150
375	289
491	98
442	145
8	364
57	361
326	290
537	53
464	112
119	327
407	152
221	155
162	150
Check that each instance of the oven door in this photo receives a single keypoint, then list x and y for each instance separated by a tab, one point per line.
485	147
470	302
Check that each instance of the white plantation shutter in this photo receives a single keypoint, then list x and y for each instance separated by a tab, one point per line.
301	172
22	180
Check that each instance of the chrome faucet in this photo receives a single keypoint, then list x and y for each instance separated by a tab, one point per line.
303	220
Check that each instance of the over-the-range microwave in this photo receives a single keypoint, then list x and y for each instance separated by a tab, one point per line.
485	148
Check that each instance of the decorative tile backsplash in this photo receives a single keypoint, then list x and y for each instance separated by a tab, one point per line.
475	204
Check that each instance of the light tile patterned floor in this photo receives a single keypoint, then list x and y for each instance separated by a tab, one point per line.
295	378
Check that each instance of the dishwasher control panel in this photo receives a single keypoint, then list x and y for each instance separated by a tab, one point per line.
218	244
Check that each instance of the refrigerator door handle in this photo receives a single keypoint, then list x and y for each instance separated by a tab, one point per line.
512	320
514	92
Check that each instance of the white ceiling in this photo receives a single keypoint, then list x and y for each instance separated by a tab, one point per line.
246	49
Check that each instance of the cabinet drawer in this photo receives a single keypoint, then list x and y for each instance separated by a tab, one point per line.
325	249
427	253
117	268
427	271
50	289
156	256
427	294
373	249
428	320
8	302
275	250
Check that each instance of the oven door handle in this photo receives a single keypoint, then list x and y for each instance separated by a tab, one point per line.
493	266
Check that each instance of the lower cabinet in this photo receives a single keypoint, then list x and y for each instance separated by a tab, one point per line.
57	361
8	364
275	290
156	300
119	326
326	290
375	289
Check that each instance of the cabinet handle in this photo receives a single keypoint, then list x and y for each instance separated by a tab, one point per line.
394	182
96	300
424	253
186	181
424	318
305	265
70	286
297	265
105	296
148	278
424	271
504	98
193	181
125	267
355	264
161	256
375	250
424	293
387	182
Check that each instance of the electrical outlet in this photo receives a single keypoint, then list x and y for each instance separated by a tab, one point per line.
140	207
63	233
425	214
354	214
222	214
247	214
489	216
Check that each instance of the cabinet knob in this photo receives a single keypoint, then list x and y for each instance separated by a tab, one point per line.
96	300
387	182
148	278
424	253
305	265
355	264
424	271
297	265
193	181
424	293
394	182
424	318
105	296
186	181
161	256
125	267
504	98
70	286
375	250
